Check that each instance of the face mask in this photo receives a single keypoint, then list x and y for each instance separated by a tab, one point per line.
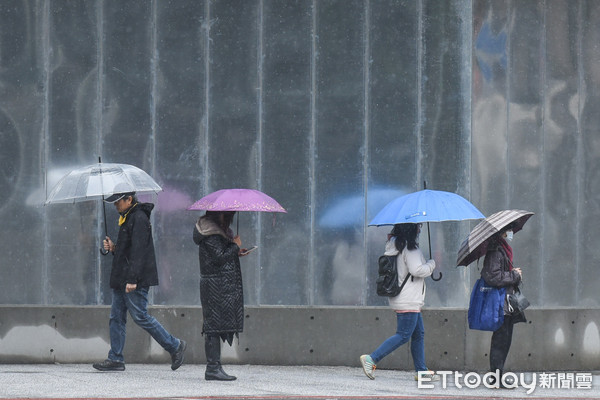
509	235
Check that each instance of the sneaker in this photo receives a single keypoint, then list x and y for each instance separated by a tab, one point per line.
109	365
432	376
368	365
178	356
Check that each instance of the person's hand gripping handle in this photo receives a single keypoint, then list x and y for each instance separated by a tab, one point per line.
109	246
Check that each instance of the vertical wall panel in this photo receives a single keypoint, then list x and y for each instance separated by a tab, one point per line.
589	174
561	139
181	30
233	95
339	251
127	102
525	156
489	140
393	88
127	83
72	136
444	138
285	246
22	112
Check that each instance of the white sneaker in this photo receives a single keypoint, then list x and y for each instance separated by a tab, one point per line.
368	365
432	376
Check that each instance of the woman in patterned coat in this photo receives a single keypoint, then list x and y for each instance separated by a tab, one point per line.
221	292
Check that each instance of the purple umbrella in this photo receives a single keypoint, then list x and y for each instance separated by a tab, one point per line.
237	200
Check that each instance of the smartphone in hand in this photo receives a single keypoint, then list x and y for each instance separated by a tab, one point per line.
248	251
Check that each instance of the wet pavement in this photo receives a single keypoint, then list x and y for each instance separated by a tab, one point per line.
157	381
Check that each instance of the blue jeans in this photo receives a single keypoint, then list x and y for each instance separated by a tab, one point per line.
410	326
136	303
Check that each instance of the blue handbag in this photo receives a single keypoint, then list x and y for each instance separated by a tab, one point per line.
486	308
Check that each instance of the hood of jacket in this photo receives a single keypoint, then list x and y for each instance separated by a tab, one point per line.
207	227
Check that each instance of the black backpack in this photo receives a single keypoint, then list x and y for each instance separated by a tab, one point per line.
387	281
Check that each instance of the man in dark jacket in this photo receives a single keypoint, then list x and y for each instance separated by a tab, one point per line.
133	272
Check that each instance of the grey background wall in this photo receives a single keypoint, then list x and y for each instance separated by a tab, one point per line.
322	104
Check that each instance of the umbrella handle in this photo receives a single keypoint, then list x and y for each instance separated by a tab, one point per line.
438	278
102	251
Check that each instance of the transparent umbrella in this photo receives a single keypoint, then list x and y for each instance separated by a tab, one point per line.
97	181
101	180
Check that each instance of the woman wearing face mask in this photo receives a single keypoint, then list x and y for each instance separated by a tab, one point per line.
498	271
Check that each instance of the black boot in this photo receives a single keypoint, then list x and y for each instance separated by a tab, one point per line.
214	370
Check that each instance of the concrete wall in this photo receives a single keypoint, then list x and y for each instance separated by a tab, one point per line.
553	339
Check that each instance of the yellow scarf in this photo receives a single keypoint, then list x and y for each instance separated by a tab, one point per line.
122	218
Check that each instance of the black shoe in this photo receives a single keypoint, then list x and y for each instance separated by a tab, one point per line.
500	385
178	356
216	373
109	365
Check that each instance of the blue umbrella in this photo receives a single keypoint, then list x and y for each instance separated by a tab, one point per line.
426	206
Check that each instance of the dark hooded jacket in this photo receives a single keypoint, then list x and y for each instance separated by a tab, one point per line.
497	271
134	259
221	292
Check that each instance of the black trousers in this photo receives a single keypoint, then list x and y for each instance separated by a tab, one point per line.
501	341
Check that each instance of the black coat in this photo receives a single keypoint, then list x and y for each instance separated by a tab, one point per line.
134	259
221	292
497	272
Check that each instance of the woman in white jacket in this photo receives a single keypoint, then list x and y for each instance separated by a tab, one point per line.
402	242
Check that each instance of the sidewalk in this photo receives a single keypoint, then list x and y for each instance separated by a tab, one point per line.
144	381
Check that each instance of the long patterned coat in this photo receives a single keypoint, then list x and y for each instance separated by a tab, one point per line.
221	292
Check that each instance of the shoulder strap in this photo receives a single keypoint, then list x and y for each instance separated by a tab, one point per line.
404	283
408	275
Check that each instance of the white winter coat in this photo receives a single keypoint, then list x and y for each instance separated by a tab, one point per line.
412	296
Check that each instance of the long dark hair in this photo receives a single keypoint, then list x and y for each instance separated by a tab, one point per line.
215	216
406	236
498	236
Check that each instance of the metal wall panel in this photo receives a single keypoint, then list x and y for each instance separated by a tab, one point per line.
317	103
72	255
588	256
22	116
234	146
339	254
489	106
181	50
444	136
286	132
393	88
561	142
525	158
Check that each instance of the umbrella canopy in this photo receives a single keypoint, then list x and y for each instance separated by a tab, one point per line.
350	210
475	245
237	200
101	180
426	206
